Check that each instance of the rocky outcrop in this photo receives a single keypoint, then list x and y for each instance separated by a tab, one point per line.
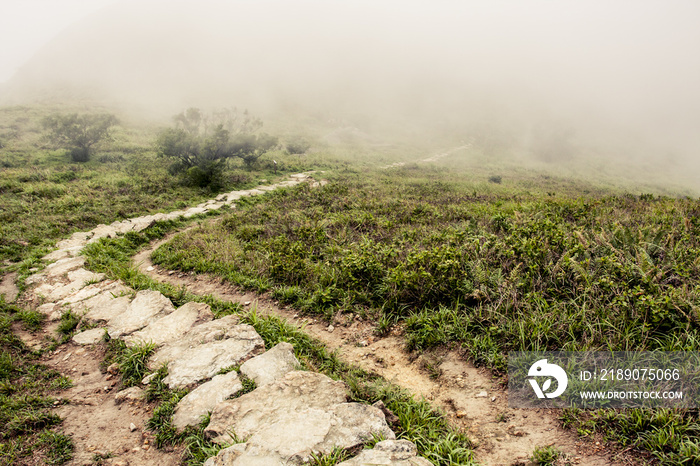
206	360
301	413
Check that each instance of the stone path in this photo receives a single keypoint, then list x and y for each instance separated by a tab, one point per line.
432	158
288	416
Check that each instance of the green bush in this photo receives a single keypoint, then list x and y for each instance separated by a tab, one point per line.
78	133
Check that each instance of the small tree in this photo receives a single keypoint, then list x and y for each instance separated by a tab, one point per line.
249	147
298	146
200	145
78	133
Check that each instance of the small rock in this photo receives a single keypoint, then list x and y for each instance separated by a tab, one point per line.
117	462
89	337
129	394
331	328
132	427
389	452
461	414
146	380
391	418
493	398
150	268
363	343
113	368
482	395
247	303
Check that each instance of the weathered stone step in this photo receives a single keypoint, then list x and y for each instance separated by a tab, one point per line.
287	420
173	326
389	452
148	306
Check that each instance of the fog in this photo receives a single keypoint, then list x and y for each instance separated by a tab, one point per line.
624	75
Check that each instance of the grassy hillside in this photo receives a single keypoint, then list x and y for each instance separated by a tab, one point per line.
45	197
487	263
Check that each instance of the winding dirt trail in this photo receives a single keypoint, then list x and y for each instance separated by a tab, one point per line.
471	398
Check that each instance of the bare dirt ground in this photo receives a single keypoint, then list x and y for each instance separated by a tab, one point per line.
8	289
101	428
97	424
472	399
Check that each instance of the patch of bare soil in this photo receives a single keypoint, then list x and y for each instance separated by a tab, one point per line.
8	287
98	425
474	401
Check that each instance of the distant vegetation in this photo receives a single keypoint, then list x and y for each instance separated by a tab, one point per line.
78	133
200	146
45	195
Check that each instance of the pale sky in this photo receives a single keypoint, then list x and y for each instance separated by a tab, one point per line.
27	25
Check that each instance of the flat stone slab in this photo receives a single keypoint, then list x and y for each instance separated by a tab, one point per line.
89	337
205	360
62	266
192	211
389	452
271	365
76	242
104	306
301	413
207	332
173	326
90	291
244	454
47	309
102	231
77	278
130	394
203	399
148	306
84	275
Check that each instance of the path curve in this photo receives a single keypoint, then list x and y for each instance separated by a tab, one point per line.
473	401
